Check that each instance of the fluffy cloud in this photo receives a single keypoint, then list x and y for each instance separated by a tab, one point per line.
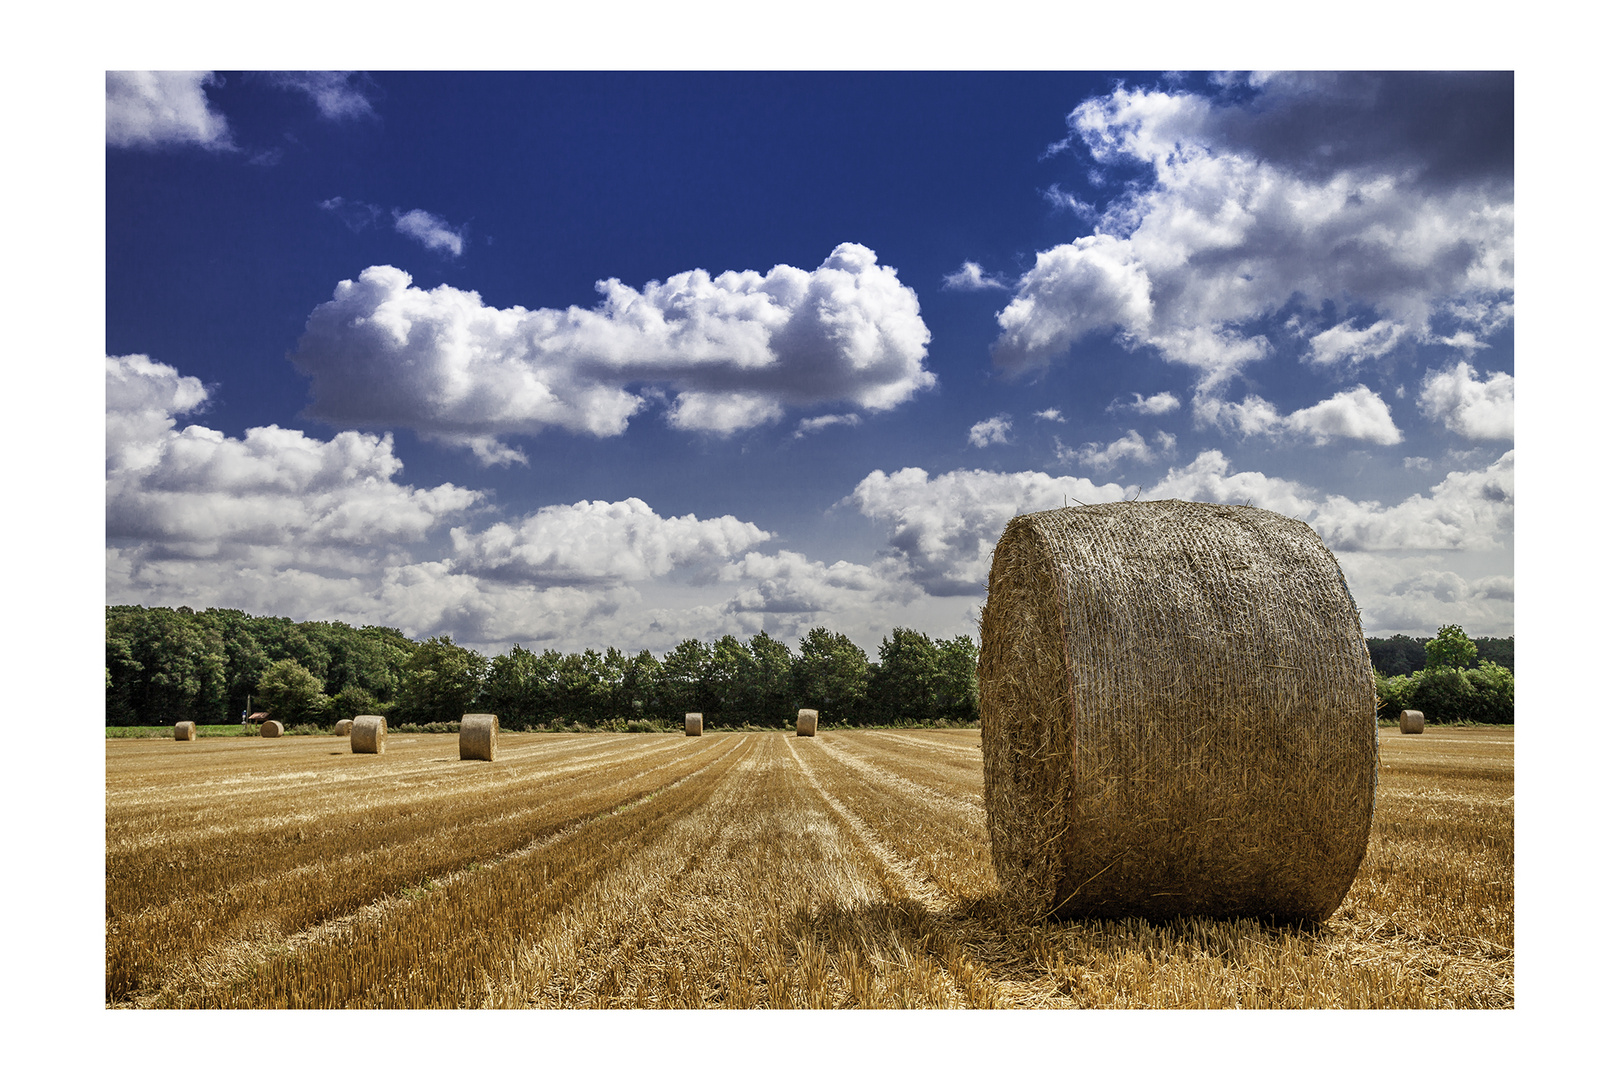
592	542
993	430
1157	405
276	522
1465	511
812	424
736	349
1345	346
1474	409
1350	414
151	109
274	493
338	95
943	530
971	278
429	230
1414	594
1050	414
1130	447
1229	230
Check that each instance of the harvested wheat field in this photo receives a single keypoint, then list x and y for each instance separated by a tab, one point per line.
739	870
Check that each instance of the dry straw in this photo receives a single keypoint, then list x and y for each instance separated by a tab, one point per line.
368	735
807	722
1178	714
1411	722
271	729
342	727
694	723
478	732
185	731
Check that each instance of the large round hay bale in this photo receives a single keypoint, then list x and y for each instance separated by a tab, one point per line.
1411	722
807	722
694	723
271	729
478	732
1177	713
185	731
342	727
369	735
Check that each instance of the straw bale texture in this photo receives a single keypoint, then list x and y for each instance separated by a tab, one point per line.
694	723
1178	714
478	732
343	727
369	735
185	731
1411	722
807	722
271	729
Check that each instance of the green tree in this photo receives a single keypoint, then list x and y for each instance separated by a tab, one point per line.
290	694
165	665
959	679
767	682
831	676
908	678
1449	648
442	681
685	676
521	687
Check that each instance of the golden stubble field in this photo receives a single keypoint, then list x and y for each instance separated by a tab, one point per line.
747	870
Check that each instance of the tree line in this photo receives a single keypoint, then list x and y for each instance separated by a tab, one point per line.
1402	655
1455	678
165	665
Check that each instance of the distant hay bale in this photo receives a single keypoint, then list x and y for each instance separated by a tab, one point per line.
694	723
1177	713
368	735
1411	722
343	727
185	731
478	732
807	722
271	729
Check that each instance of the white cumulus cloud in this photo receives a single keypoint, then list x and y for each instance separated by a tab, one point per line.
337	95
1129	447
943	530
971	278
1358	414
274	496
1476	409
993	430
1223	236
429	230
151	109
599	542
736	349
1158	405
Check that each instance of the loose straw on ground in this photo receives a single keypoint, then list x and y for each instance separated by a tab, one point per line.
807	722
478	732
369	735
1178	714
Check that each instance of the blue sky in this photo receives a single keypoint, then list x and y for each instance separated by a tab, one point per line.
589	359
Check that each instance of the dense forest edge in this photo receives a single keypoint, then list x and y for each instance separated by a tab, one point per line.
167	665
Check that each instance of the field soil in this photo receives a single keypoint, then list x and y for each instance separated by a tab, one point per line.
735	870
